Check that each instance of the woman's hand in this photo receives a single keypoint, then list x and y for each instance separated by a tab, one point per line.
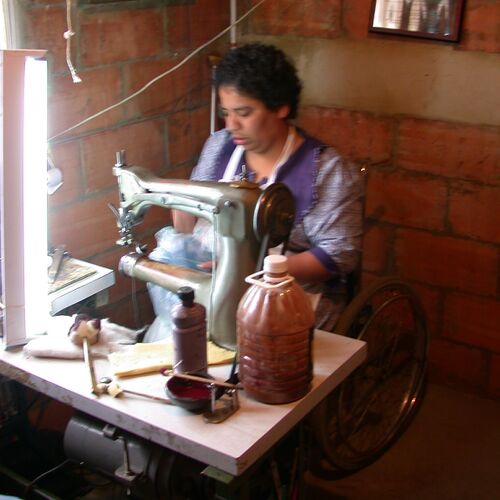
205	266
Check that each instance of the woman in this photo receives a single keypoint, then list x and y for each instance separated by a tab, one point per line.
259	94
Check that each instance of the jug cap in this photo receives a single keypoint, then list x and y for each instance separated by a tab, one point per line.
276	264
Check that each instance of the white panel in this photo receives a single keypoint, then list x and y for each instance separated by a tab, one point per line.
12	197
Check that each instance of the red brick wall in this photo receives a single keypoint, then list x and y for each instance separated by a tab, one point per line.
116	51
433	187
433	201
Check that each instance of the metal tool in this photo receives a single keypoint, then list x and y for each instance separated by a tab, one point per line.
55	266
105	383
194	378
223	407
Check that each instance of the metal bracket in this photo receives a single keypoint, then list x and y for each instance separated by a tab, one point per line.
222	408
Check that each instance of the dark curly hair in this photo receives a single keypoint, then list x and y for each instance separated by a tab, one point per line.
262	72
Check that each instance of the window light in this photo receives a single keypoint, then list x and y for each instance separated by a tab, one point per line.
23	195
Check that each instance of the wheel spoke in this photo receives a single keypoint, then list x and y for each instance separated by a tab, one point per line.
371	407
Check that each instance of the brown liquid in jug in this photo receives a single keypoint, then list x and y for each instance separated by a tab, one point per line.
275	328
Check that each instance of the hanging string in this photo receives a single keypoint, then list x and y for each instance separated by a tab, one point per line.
67	35
162	75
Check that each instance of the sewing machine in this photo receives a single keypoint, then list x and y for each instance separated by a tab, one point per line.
246	221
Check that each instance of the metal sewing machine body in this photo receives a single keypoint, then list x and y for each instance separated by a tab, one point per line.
246	221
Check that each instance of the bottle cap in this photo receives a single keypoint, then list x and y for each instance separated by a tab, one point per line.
276	264
186	294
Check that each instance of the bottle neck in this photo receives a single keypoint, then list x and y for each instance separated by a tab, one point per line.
275	277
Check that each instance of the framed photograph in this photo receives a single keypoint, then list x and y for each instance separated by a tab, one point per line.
435	19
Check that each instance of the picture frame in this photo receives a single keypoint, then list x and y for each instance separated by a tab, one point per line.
432	19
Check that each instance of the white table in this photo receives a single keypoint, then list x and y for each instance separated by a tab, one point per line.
231	446
94	284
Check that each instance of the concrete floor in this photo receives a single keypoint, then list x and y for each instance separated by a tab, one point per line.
451	451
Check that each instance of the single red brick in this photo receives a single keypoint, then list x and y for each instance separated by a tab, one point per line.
44	29
356	135
456	365
430	299
377	248
119	35
472	320
445	261
201	81
86	227
143	144
207	19
187	132
178	27
468	152
179	137
71	103
194	24
200	118
475	211
312	119
168	94
356	17
322	18
480	26
406	199
310	18
66	157
494	382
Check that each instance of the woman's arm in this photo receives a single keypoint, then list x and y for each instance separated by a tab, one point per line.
334	225
204	171
306	267
183	222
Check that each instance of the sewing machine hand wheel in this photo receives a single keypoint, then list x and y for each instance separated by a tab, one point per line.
273	218
368	412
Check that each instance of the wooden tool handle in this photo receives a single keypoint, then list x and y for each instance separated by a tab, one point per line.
89	363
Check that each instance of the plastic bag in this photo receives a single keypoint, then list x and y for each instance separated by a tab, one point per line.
183	249
179	249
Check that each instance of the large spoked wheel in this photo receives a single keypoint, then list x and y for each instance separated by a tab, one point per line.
366	414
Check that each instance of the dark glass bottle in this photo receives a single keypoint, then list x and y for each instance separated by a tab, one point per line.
275	324
189	334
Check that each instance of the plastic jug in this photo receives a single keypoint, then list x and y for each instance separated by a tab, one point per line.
275	324
189	334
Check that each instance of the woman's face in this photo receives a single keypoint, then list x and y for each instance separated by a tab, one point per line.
251	124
